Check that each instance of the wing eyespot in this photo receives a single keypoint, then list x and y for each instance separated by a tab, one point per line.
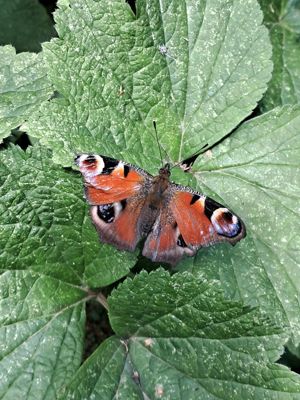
109	212
109	165
210	206
226	223
106	213
90	159
90	165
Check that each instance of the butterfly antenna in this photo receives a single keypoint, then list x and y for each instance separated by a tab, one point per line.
159	148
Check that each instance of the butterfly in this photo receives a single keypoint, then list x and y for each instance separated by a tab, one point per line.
128	204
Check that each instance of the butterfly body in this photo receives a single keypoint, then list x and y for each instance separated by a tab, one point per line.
128	204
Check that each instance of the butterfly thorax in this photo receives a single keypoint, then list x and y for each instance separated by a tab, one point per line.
159	187
165	171
156	199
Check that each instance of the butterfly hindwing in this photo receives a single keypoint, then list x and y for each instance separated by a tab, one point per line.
188	222
117	223
202	221
116	192
165	242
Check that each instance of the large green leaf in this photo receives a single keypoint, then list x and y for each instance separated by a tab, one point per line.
25	24
107	374
44	223
114	77
257	173
283	20
41	334
23	86
180	339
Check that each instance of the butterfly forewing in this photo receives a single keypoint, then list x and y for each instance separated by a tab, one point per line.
116	192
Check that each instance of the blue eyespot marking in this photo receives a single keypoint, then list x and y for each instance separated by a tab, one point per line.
225	223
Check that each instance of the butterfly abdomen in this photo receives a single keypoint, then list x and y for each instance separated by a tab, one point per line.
156	198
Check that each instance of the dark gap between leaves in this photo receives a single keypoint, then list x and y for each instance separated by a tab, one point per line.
290	360
97	327
50	6
188	162
18	138
132	5
255	113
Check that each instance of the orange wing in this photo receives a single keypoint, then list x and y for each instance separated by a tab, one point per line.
202	221
188	221
120	209
116	192
118	223
108	180
165	243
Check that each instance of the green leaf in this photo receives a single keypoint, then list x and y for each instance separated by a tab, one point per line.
114	78
23	86
107	374
180	339
283	20
25	24
256	172
44	223
41	334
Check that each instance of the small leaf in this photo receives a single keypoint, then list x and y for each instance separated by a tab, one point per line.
44	223
41	334
256	172
178	63
180	339
184	305
25	24
23	86
283	20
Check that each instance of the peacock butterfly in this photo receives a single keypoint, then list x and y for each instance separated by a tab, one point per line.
128	204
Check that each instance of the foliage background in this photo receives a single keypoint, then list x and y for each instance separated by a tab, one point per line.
244	155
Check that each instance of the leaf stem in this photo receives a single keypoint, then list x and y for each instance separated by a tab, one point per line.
102	300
